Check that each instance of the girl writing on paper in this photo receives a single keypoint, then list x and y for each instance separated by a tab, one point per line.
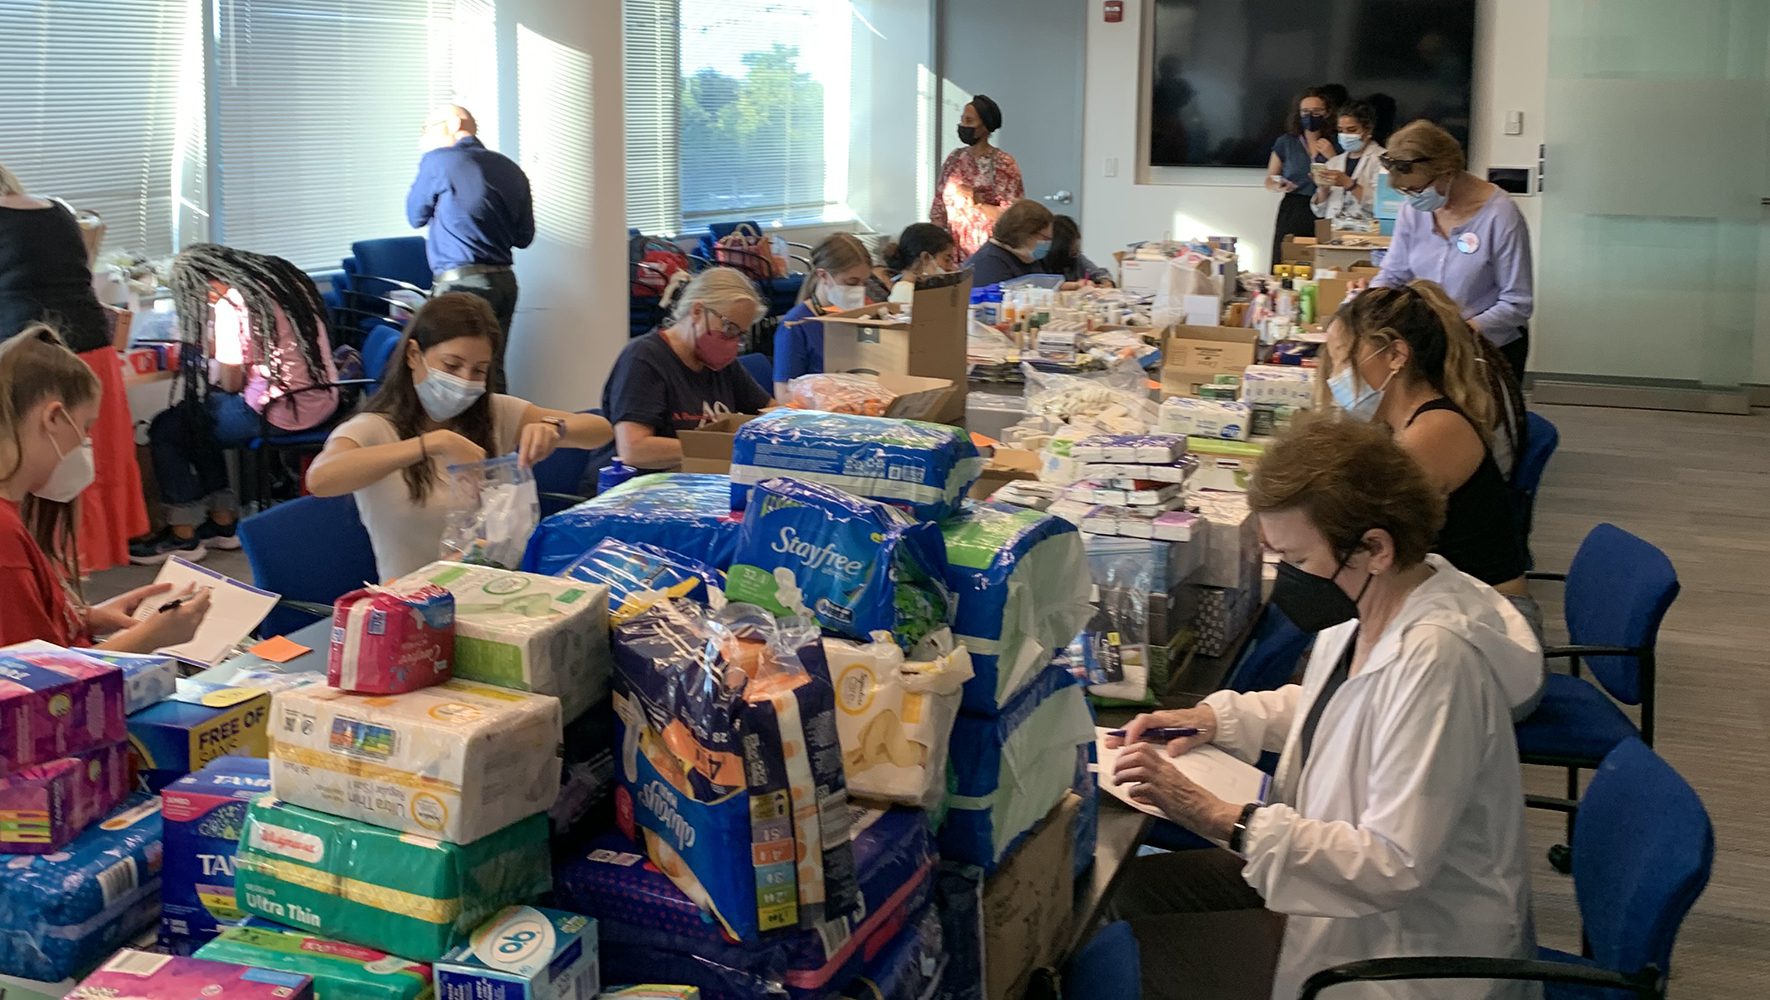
840	271
433	411
1394	825
49	401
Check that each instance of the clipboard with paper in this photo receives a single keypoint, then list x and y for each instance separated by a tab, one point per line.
1216	771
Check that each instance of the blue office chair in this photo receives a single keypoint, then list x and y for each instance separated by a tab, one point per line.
383	266
1618	589
280	547
1645	848
378	351
273	442
1269	660
1108	967
1541	438
761	368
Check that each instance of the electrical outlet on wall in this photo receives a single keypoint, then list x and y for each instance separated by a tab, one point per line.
1112	166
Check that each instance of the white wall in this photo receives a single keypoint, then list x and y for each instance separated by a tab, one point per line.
1511	70
559	68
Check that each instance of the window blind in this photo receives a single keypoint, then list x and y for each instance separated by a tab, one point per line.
91	109
649	49
320	104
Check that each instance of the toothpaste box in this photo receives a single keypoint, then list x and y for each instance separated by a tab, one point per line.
386	640
454	761
526	632
203	814
1279	385
379	888
140	975
174	738
45	806
1135	448
1206	418
56	704
524	953
147	678
339	971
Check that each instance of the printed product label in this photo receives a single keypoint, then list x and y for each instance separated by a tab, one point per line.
362	740
284	842
520	941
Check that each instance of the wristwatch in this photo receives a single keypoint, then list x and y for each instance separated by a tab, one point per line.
558	424
1239	832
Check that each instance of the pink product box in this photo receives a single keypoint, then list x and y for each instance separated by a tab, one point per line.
387	641
45	806
55	705
140	975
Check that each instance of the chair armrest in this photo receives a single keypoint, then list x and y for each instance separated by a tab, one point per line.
305	607
1546	576
1645	983
356	280
572	499
1560	652
801	246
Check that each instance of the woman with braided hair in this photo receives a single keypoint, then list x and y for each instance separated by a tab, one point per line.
256	338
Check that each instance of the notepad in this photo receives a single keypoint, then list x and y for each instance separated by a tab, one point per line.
1222	774
235	609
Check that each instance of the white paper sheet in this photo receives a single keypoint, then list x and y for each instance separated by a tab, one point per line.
235	609
1225	776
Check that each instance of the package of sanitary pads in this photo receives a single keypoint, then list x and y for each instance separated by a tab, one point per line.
895	717
386	640
684	512
924	467
53	704
397	892
203	814
45	806
141	975
908	968
339	971
858	566
638	575
456	761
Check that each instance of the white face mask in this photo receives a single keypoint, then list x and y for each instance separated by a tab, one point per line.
844	297
446	396
72	474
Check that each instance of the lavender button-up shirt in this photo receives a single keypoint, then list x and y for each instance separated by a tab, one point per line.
1484	265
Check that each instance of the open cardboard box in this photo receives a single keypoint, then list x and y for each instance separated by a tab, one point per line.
708	448
1005	466
1193	355
929	342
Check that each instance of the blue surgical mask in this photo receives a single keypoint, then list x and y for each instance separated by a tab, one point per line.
1428	199
446	396
1357	400
1351	142
1040	249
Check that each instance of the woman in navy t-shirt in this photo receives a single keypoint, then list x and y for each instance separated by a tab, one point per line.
1307	141
838	281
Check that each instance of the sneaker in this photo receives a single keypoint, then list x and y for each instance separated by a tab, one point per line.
158	548
217	536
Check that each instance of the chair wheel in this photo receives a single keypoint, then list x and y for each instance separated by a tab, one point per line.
1561	859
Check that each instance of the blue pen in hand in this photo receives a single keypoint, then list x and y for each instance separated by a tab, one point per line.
1160	734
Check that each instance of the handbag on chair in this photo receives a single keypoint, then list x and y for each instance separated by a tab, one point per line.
745	249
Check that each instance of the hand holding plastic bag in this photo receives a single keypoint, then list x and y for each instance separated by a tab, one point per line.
494	509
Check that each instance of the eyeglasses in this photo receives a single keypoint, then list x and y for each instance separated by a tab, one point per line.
1399	163
730	330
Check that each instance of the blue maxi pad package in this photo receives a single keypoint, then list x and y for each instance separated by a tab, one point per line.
688	513
1012	769
638	575
859	566
62	913
926	468
908	967
1021	581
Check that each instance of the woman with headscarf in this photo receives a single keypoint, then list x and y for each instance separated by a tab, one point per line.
978	181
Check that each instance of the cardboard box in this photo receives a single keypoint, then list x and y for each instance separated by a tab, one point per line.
708	449
1194	355
457	761
141	975
1343	257
202	814
173	738
1007	465
1224	465
1297	250
932	342
1028	904
524	952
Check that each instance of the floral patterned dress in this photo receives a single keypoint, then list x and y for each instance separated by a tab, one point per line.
996	180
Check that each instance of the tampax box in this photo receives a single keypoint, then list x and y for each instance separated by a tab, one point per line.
455	761
45	806
174	738
56	704
140	975
524	953
203	814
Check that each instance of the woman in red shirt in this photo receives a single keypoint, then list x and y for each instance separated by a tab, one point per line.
48	404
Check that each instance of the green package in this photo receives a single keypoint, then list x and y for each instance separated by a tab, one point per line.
339	971
379	888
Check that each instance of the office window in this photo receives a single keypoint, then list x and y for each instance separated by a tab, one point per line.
91	110
320	103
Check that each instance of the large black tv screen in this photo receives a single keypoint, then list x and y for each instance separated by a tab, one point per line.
1226	73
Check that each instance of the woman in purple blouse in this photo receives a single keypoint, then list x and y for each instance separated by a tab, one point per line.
1461	232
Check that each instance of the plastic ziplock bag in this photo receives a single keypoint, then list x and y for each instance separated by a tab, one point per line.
494	511
1118	391
638	575
1114	651
839	392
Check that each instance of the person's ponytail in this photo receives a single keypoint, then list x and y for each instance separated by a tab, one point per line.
1464	382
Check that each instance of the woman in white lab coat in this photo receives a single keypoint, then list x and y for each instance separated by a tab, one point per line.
1394	825
1346	194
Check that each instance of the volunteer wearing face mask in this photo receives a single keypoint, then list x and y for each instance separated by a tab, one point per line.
1065	256
49	401
433	411
923	250
977	181
840	268
1018	248
1394	825
1461	232
1307	141
1403	357
1350	191
685	375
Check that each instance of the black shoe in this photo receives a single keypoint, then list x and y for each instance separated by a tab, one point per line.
217	536
158	548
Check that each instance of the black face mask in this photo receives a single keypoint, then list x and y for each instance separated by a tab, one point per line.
1313	123
968	134
1313	602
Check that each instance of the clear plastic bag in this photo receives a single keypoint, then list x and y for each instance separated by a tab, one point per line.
1115	649
494	509
839	392
1119	393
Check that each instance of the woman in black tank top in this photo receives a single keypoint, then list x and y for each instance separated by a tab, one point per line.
1404	357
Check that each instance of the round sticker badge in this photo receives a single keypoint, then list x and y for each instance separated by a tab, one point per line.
1468	242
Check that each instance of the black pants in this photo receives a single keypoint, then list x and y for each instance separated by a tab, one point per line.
499	289
1516	352
1295	218
1201	930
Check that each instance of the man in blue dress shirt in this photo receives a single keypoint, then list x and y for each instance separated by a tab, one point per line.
478	207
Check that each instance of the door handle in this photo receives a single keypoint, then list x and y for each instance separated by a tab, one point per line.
1061	197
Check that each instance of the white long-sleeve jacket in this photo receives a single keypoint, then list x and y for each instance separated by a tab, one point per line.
1404	833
